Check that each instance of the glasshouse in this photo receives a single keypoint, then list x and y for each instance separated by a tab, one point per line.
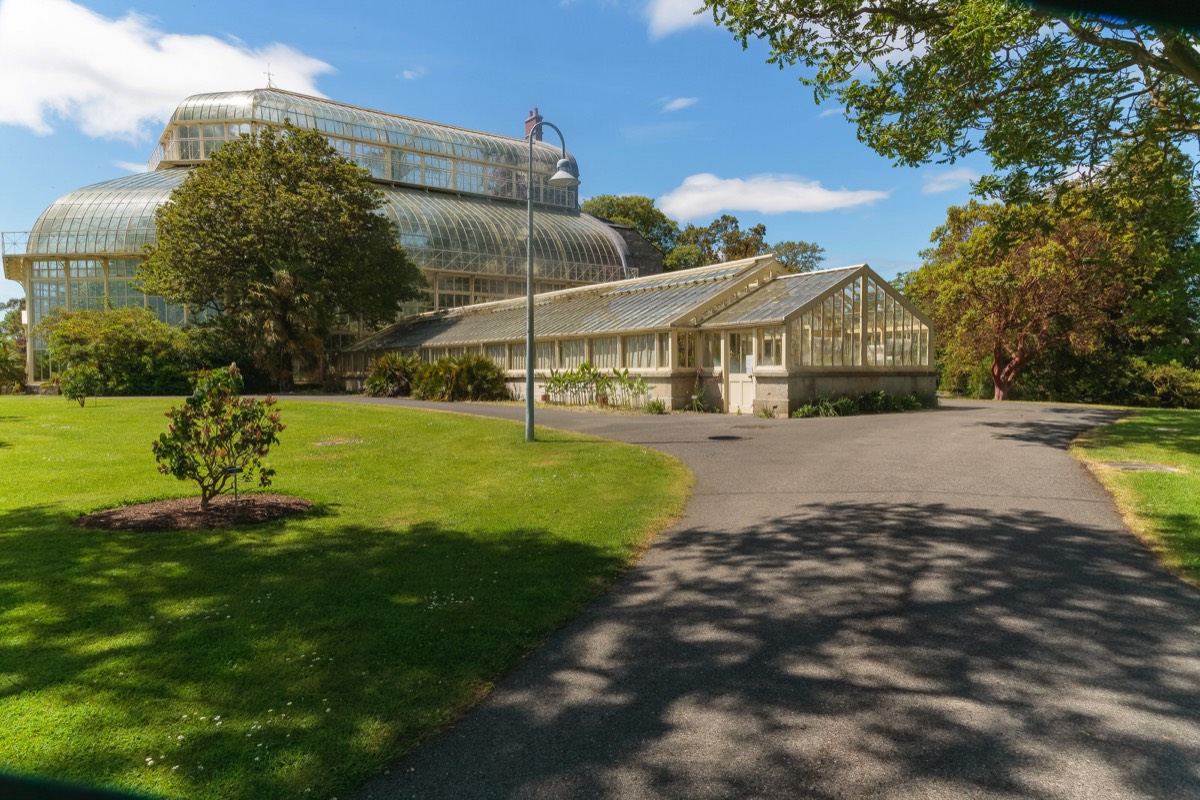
743	337
458	198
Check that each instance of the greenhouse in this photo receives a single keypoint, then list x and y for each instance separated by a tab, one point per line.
745	336
458	199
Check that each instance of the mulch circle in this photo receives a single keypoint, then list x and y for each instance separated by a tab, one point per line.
184	514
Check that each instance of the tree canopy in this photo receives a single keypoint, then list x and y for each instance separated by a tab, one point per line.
638	212
1106	269
280	233
1043	92
723	239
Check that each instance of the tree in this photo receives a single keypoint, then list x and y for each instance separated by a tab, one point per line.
724	240
1008	282
280	233
12	346
217	436
638	212
1043	92
1075	288
798	256
81	381
1147	202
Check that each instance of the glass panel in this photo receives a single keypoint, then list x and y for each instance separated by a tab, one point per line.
639	351
546	354
710	354
48	296
516	356
497	353
685	350
87	295
739	350
604	352
574	353
122	268
770	351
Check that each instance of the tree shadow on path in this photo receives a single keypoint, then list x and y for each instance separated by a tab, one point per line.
853	650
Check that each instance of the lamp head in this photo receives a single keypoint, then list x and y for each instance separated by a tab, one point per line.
567	175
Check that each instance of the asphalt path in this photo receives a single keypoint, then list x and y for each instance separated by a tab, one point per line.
939	604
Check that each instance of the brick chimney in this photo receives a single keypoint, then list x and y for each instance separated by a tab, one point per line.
534	119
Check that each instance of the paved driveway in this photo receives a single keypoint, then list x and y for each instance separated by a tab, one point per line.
930	605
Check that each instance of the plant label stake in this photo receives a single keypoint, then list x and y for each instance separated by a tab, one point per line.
235	471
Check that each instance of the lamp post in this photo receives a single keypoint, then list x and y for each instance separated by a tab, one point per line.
565	177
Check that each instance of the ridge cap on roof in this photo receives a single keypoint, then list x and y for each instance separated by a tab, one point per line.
261	90
812	273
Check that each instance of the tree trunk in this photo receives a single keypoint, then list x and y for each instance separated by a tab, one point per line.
1003	374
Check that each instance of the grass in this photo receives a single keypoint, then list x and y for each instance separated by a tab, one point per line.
1163	508
297	658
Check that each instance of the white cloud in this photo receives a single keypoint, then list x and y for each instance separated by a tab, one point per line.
132	166
668	16
830	112
949	181
414	73
678	103
121	78
706	194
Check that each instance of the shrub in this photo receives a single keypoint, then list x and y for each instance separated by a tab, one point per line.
468	377
12	367
134	352
656	407
877	402
78	382
391	375
586	384
217	434
1169	385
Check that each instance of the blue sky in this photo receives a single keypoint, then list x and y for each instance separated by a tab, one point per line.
652	100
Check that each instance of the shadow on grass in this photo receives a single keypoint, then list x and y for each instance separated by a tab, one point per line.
321	650
852	650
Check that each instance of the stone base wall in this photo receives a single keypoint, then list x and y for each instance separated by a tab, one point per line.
780	394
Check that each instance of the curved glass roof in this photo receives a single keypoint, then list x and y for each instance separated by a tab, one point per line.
441	231
115	216
393	148
462	234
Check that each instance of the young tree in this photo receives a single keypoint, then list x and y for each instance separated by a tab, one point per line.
282	234
1041	91
638	212
217	436
81	381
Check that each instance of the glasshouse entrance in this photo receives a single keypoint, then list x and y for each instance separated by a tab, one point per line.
739	388
745	336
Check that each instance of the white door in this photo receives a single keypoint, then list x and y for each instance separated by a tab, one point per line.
740	391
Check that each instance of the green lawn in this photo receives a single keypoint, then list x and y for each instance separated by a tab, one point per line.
304	654
1162	507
